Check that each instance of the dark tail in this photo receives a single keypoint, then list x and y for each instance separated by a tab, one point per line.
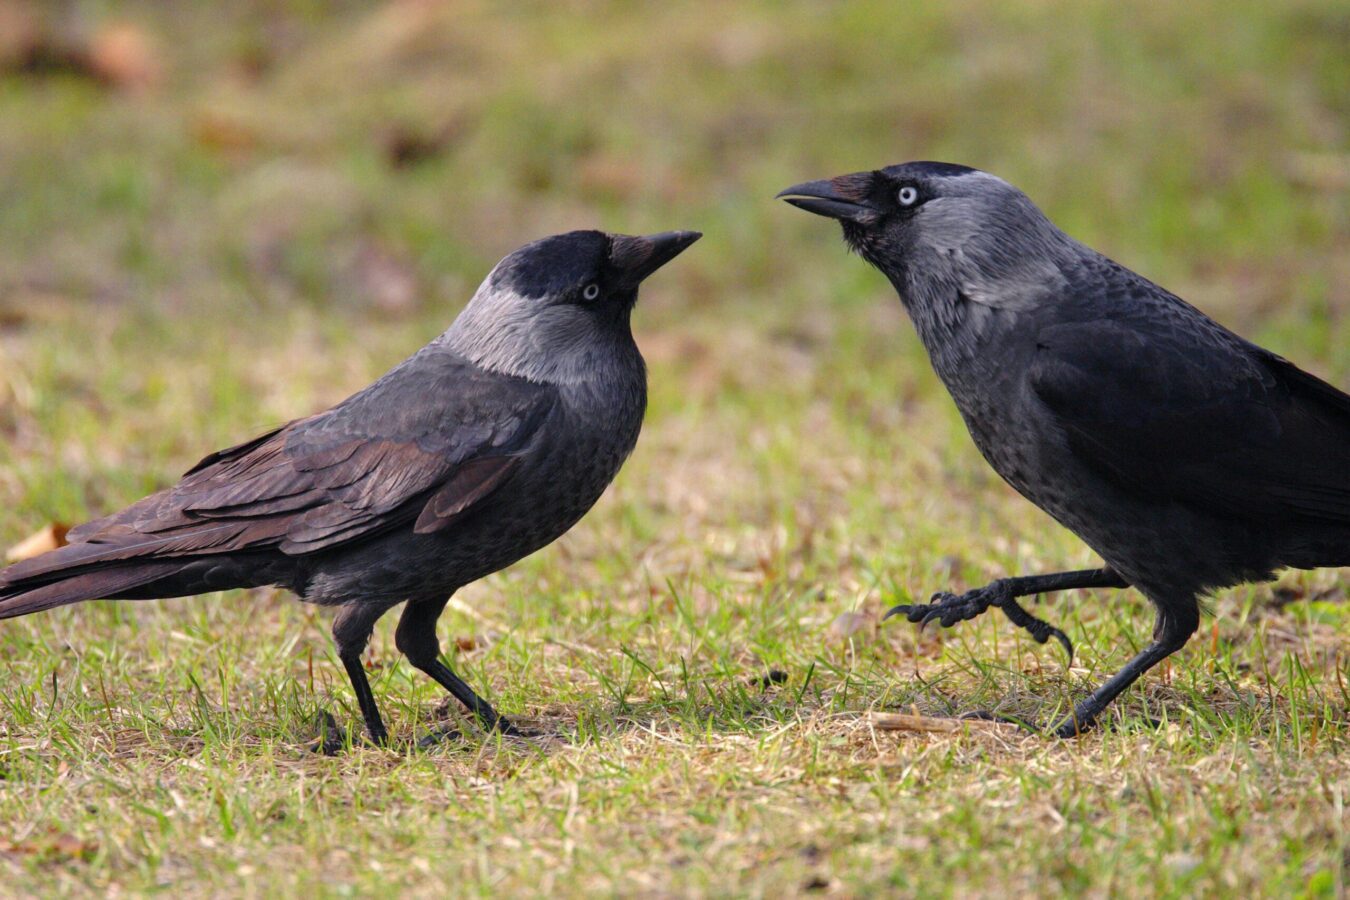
98	584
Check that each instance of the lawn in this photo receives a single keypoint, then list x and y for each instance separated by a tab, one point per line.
255	209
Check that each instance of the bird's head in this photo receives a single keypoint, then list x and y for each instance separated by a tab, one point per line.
934	228
551	307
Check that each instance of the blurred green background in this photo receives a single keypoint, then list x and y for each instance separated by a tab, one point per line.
215	217
187	180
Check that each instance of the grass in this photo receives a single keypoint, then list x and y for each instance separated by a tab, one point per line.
302	199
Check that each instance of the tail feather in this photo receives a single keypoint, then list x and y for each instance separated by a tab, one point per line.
106	582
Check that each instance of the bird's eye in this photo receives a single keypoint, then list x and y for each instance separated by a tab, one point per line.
591	291
908	195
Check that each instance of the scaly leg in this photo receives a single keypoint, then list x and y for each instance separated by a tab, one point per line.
1175	626
352	628
416	639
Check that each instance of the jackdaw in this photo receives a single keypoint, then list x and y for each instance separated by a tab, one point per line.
484	446
1188	458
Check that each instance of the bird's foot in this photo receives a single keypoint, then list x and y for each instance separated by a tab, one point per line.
491	720
447	733
443	734
1041	631
1074	726
331	739
947	609
506	727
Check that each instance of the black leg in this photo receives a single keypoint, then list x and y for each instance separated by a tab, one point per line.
948	609
1175	627
416	639
351	631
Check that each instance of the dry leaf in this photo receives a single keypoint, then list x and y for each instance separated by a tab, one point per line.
124	56
20	35
225	134
49	537
53	845
846	625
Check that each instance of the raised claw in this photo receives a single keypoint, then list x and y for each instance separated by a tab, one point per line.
901	610
1041	631
945	608
948	609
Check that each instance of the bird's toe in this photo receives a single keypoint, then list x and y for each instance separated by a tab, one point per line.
1072	727
442	735
1063	640
904	609
509	728
936	613
330	739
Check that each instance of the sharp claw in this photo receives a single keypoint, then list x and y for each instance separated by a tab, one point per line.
901	610
1063	639
1041	631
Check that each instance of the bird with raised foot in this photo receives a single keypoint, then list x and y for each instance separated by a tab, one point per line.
1187	457
484	446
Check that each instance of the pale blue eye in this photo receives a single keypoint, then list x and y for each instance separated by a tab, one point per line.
591	291
908	195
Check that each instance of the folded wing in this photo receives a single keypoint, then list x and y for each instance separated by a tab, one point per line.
422	446
1198	416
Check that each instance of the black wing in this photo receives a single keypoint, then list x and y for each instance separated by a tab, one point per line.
1174	407
422	445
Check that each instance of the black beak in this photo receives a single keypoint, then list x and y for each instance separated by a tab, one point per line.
842	198
637	257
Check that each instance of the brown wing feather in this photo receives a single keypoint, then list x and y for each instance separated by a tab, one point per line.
372	463
471	482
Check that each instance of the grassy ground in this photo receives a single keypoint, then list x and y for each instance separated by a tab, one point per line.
283	204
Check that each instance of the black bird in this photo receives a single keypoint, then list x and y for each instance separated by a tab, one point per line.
484	446
1188	458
